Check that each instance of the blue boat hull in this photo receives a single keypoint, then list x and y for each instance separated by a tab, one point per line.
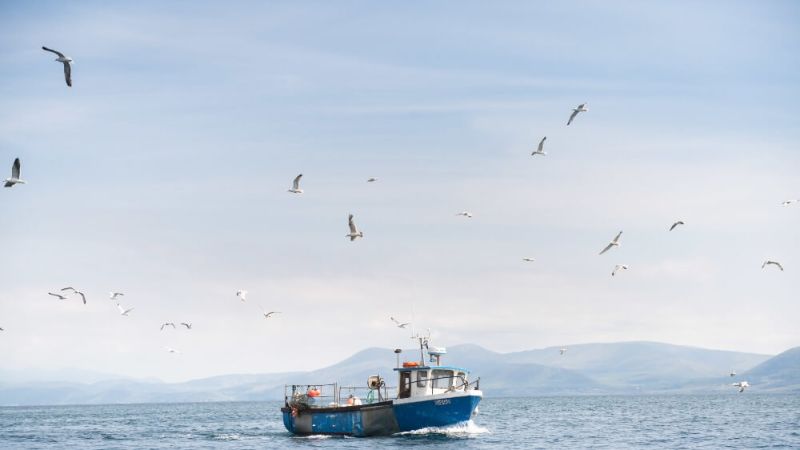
383	418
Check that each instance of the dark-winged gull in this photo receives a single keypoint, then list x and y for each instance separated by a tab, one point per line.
371	180
466	214
114	295
268	314
789	202
188	325
613	243
354	233
60	297
528	259
540	149
296	185
242	294
15	179
74	291
67	61
674	225
581	108
165	324
774	263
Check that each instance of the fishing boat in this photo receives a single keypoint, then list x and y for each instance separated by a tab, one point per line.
427	395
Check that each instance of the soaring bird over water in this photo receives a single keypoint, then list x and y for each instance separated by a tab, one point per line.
268	314
741	385
540	149
613	243
188	325
789	202
562	351
466	214
15	179
581	108
67	61
296	185
60	297
354	233
619	267
680	222
774	263
114	295
528	259
242	294
372	180
167	324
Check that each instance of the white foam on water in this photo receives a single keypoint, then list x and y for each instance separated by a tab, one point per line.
227	437
463	429
315	436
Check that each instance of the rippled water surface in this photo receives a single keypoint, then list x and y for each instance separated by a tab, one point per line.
722	421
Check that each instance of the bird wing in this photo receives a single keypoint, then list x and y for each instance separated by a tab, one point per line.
121	309
15	169
779	265
61	297
673	226
68	288
572	116
541	144
352	225
616	238
68	73
394	320
607	248
186	325
82	296
296	182
53	51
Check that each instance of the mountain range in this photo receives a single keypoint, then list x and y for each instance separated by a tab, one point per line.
585	369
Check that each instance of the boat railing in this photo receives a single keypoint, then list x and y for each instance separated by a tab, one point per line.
367	395
316	395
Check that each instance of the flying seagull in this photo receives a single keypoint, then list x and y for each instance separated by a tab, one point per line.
188	325
613	243
466	214
114	295
15	179
167	324
67	64
242	294
60	297
789	202
171	350
741	385
526	259
562	351
680	222
581	108
775	263
354	233
540	149
296	185
74	291
269	314
123	311
399	325
619	267
371	180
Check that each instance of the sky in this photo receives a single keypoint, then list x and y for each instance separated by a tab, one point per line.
163	174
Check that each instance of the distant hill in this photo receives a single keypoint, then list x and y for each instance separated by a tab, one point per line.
780	373
608	368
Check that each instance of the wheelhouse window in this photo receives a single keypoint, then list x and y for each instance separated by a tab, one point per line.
422	378
461	380
442	379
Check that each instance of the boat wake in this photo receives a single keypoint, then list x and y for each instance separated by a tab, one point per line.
463	429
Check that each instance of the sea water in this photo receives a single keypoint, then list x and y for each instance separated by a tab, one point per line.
740	421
